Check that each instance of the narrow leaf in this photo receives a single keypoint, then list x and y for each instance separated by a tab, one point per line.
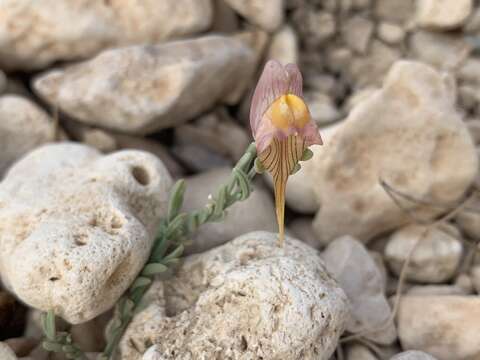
176	199
140	281
153	269
52	346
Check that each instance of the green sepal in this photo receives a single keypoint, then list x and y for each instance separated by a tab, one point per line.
259	168
307	155
153	269
296	168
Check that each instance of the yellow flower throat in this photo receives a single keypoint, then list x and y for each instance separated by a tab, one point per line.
289	111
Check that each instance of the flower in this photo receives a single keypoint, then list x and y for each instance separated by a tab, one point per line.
282	127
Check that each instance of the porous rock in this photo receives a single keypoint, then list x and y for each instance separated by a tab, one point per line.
77	226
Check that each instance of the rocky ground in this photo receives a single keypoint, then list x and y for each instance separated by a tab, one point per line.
105	103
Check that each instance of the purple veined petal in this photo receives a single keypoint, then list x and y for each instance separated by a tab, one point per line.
272	84
311	134
295	80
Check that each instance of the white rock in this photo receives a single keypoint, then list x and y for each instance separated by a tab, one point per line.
468	220
436	256
6	353
390	33
443	14
268	14
352	266
248	299
413	355
371	69
23	127
359	352
322	109
77	227
141	89
255	213
408	134
315	27
444	326
357	32
284	46
301	228
395	11
81	29
443	51
437	290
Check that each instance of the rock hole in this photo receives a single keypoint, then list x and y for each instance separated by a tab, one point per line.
54	278
80	239
141	175
243	343
116	222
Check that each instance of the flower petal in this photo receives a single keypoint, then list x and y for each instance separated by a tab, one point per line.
295	80
272	84
280	159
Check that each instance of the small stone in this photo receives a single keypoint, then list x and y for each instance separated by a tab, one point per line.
443	51
23	127
468	219
473	22
142	89
89	336
470	71
385	137
358	275
301	229
247	299
225	19
413	355
217	132
357	32
435	258
80	30
395	11
444	326
284	46
322	109
91	136
443	14
255	213
268	14
475	274
361	4
468	97
371	69
198	158
21	346
6	353
314	27
390	33
140	143
359	96
339	59
359	352
79	231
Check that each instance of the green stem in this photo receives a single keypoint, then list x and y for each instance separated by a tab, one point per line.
173	232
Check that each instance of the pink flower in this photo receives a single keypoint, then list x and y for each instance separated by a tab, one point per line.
281	126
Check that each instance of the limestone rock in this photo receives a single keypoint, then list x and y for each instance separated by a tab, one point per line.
358	275
255	213
6	353
390	33
141	89
435	258
268	14
77	226
444	326
408	134
248	299
468	220
413	355
23	127
359	352
443	14
444	51
395	11
80	29
284	46
357	32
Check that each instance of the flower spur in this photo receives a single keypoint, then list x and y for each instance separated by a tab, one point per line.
282	128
